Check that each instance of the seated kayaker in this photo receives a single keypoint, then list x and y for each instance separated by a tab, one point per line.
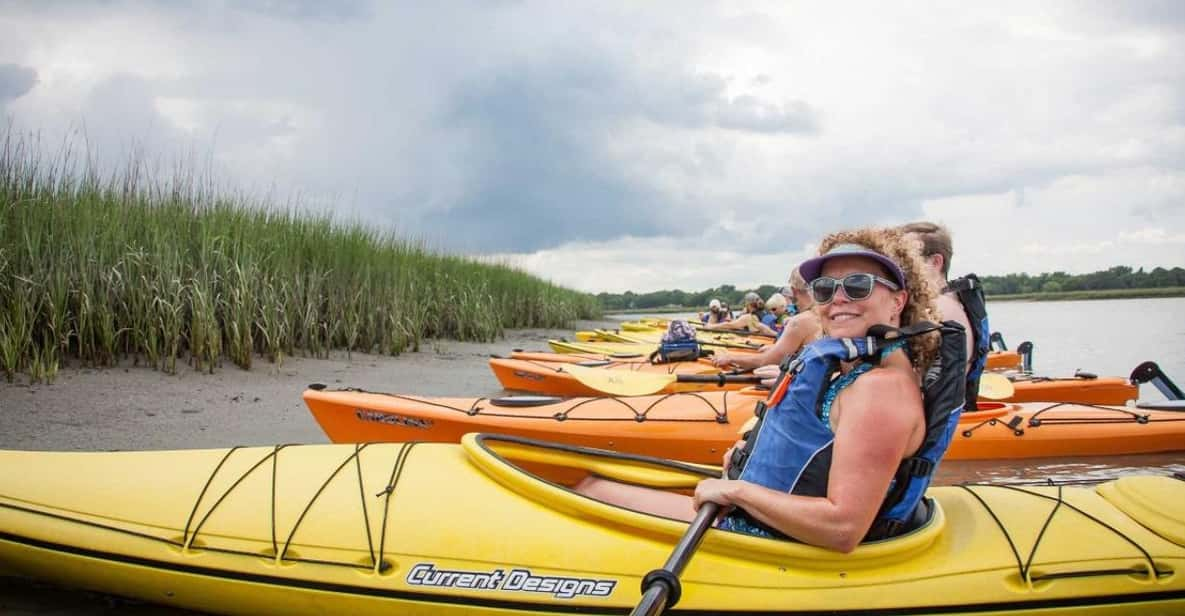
836	462
751	320
798	330
960	300
716	314
776	313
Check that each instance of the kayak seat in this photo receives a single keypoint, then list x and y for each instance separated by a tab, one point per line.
922	515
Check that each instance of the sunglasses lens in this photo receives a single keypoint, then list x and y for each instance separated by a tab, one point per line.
823	289
858	286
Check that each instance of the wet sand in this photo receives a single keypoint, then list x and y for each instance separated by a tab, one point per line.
137	408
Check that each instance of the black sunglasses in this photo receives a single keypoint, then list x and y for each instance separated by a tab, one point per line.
856	286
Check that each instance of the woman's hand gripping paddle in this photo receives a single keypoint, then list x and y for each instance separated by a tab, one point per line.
660	588
630	383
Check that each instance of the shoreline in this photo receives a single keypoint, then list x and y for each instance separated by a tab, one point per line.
136	407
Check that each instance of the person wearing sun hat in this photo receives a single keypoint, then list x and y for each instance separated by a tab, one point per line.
752	320
716	314
812	269
834	482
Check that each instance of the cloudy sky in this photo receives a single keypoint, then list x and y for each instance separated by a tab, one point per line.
647	145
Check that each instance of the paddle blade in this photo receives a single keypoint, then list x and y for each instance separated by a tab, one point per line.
620	382
995	386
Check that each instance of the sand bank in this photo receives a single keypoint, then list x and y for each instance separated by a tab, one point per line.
137	408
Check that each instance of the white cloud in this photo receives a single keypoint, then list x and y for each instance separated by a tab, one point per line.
649	264
1155	236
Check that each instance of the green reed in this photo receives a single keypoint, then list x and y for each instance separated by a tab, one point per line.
97	269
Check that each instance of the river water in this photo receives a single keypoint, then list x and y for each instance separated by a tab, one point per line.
1106	337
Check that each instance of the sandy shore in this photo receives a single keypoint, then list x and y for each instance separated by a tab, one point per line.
136	408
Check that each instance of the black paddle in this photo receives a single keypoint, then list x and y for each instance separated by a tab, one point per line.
660	587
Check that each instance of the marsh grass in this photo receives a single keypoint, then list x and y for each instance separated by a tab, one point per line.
97	269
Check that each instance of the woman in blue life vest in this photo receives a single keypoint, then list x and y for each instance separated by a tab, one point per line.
872	422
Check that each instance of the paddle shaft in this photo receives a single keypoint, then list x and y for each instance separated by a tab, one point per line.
716	330
654	600
717	378
727	345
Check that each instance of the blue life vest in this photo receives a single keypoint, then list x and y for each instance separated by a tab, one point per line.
970	293
791	448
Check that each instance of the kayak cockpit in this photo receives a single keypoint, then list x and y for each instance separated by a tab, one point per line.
545	472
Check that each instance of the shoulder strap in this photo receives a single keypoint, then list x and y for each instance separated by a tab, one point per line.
943	398
969	290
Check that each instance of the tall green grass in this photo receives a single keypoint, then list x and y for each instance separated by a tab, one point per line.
98	268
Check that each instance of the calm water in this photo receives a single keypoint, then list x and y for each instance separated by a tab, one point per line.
1107	337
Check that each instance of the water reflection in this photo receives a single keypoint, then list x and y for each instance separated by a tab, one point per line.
1082	468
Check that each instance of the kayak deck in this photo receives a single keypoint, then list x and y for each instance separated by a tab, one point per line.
489	527
700	426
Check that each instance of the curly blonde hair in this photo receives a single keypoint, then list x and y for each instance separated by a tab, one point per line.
920	305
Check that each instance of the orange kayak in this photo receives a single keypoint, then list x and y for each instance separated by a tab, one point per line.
538	374
1113	390
543	373
699	427
1003	360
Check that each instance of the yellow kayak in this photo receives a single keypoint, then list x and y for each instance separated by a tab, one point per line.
490	526
612	349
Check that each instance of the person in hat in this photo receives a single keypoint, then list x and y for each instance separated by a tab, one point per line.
716	314
871	418
754	320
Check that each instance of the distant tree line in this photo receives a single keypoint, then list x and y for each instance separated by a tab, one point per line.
1118	277
727	293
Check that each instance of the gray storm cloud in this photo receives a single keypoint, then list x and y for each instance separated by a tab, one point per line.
539	148
15	81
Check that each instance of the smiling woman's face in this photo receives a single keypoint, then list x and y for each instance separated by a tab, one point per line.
844	318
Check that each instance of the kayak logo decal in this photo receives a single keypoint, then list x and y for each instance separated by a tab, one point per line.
528	375
392	419
518	580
